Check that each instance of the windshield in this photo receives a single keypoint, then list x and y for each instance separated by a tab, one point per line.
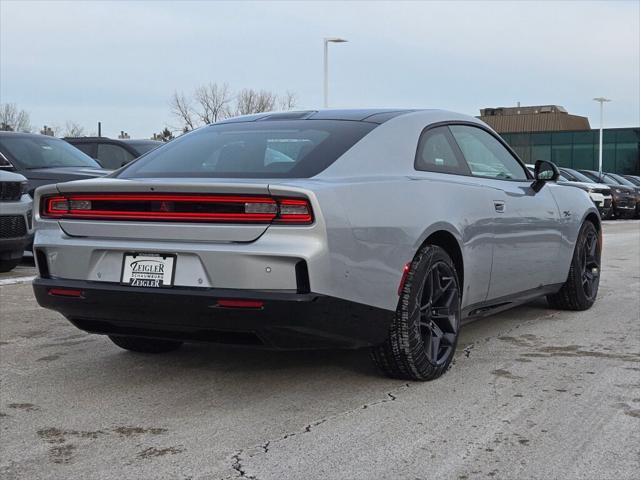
40	151
564	175
621	180
593	177
577	176
634	180
269	149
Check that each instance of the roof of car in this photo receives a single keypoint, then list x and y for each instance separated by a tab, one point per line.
132	141
23	134
372	115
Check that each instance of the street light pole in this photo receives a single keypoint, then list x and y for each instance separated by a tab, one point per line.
326	66
601	101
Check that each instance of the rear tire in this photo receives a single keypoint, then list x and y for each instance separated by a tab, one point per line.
145	345
8	265
424	332
580	290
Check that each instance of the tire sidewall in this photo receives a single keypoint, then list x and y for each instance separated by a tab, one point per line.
410	296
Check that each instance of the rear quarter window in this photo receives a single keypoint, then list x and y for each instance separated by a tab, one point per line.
268	149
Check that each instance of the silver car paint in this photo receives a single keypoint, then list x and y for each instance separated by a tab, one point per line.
372	210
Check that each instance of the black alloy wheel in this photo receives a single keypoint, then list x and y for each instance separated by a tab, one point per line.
590	265
424	332
580	290
439	310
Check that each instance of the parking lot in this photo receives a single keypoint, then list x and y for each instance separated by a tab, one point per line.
533	393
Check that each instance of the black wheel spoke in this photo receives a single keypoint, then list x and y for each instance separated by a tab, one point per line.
448	339
438	312
590	264
433	348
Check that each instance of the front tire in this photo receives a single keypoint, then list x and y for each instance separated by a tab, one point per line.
145	345
580	290
424	333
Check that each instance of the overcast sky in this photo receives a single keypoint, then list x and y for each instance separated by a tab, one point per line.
120	62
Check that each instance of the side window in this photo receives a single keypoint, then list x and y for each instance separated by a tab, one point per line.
436	153
486	156
113	156
88	148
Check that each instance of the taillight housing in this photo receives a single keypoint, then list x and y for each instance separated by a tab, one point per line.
178	207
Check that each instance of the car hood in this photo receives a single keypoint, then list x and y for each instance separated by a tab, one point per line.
6	176
68	173
623	189
584	185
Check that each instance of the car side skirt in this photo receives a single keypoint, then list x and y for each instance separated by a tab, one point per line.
483	309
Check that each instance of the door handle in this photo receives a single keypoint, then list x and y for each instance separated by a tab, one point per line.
499	206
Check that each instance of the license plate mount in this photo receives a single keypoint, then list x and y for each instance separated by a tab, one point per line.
150	270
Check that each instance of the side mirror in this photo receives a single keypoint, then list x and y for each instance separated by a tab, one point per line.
544	172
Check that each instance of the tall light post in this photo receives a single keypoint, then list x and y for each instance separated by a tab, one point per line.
601	101
327	41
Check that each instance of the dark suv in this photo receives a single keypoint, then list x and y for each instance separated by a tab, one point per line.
110	153
44	160
624	197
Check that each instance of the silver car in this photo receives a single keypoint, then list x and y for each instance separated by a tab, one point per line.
340	228
16	222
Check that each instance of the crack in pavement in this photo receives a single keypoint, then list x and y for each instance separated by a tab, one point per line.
264	448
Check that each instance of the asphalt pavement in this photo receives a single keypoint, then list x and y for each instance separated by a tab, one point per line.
533	393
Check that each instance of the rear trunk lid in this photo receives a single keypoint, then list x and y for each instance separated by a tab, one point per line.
162	200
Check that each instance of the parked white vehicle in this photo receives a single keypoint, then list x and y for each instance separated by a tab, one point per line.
600	194
16	219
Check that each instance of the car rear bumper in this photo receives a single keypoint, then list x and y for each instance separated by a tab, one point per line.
285	320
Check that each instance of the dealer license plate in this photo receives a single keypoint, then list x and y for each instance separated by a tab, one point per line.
153	270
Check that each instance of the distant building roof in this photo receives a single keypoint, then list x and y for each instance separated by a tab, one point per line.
538	118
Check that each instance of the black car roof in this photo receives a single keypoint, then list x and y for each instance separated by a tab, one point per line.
132	141
24	134
372	115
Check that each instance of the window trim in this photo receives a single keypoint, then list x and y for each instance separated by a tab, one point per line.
449	123
455	148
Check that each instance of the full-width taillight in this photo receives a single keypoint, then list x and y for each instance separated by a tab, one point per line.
177	207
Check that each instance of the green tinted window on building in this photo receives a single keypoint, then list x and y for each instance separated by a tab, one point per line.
579	149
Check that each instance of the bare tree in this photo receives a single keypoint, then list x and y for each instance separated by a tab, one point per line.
12	119
253	101
164	136
287	101
182	109
214	102
73	129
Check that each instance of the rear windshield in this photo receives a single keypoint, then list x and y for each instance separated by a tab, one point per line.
40	151
269	149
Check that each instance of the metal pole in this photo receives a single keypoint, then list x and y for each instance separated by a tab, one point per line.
601	101
600	141
99	129
326	66
326	73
